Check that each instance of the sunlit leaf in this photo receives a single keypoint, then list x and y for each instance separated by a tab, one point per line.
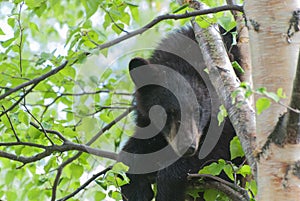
262	104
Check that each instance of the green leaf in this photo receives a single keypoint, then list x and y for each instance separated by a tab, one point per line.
252	186
203	21
135	13
24	117
118	28
262	104
237	66
34	3
194	193
11	195
106	74
8	42
222	114
115	195
213	169
229	171
77	170
9	177
211	195
227	22
125	18
273	96
244	170
39	10
1	32
69	72
280	93
34	194
107	21
180	8
236	149
91	6
33	26
131	3
68	132
120	167
99	195
102	184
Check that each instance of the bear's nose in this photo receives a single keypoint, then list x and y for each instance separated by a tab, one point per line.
190	151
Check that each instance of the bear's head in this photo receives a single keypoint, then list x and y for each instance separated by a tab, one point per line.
169	104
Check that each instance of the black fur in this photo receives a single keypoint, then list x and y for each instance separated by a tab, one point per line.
171	180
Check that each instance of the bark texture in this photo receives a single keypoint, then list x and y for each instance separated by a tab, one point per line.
274	53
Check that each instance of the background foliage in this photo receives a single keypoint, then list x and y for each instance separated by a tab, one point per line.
87	94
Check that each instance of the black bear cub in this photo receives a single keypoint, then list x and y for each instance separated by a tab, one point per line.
175	112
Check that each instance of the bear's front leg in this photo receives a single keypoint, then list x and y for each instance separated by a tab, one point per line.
172	182
138	189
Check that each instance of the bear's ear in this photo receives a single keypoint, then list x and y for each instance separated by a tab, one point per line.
135	63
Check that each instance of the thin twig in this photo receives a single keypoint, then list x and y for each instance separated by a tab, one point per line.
11	125
44	131
113	21
18	101
50	131
21	39
90	180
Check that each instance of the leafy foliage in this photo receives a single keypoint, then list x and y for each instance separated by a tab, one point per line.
60	85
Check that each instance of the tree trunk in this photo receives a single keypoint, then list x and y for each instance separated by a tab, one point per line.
274	52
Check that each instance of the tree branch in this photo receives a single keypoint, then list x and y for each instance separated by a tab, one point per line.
235	192
68	146
35	80
225	83
69	160
167	17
